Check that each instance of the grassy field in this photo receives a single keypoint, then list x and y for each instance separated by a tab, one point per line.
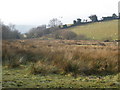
99	30
21	78
60	64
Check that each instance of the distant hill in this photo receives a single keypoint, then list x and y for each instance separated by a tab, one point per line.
24	28
98	30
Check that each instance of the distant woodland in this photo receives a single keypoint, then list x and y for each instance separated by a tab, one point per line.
55	29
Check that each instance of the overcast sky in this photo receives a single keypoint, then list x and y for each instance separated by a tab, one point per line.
37	12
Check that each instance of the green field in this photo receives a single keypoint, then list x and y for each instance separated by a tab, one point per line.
21	78
99	30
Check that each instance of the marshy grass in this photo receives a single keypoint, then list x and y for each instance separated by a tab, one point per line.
62	56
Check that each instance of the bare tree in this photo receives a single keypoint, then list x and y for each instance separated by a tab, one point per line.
54	22
9	33
37	32
12	26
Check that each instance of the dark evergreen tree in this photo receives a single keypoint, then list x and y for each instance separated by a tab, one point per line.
74	22
114	16
93	18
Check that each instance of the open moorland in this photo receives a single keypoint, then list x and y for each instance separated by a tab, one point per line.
34	63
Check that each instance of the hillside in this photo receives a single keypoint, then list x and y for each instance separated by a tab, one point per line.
99	30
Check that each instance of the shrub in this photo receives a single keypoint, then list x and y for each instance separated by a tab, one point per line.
107	39
68	35
43	68
82	37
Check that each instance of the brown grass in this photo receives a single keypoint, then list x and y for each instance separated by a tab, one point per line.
63	56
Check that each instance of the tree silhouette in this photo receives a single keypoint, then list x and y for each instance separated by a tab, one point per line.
93	18
54	22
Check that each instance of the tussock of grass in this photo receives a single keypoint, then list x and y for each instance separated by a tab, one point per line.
43	68
62	56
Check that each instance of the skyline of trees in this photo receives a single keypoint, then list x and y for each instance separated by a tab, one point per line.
10	32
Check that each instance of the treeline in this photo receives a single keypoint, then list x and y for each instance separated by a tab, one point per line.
93	18
54	30
40	31
53	33
9	32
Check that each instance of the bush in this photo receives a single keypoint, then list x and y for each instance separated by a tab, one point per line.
69	35
64	34
107	39
82	37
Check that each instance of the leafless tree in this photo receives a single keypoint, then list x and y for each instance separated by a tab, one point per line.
37	32
9	33
54	22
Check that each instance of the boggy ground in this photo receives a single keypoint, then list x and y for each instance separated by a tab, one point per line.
60	64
